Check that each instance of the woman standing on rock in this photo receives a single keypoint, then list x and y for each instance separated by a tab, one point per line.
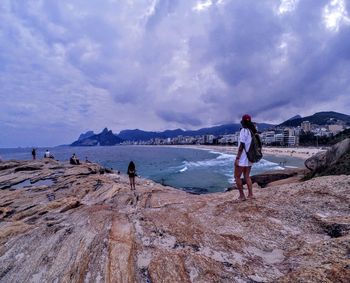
242	164
132	174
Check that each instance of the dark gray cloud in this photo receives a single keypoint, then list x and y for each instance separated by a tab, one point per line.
156	64
186	119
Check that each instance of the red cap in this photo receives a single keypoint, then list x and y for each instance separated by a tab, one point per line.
246	117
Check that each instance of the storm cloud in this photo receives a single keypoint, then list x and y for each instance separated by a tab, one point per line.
72	66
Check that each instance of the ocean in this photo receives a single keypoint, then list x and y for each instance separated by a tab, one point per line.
189	169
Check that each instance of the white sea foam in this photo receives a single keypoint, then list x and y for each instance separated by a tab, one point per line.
265	164
226	160
222	155
222	163
222	159
183	169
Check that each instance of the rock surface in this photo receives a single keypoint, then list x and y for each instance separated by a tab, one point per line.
106	137
266	178
322	160
64	223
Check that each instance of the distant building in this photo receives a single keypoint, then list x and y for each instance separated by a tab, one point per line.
291	141
306	126
297	131
335	129
279	138
208	139
321	132
289	137
229	139
268	137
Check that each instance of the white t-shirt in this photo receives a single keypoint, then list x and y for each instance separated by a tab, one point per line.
246	138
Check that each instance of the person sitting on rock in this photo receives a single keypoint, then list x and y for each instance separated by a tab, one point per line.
74	160
87	160
48	154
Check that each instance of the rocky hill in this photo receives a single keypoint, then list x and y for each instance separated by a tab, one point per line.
91	139
86	135
106	137
139	135
64	223
319	118
294	117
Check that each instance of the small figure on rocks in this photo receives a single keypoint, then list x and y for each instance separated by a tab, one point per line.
48	154
87	160
242	164
34	153
74	160
132	173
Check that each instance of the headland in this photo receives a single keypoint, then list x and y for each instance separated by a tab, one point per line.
67	223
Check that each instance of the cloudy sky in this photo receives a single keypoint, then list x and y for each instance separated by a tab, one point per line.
71	66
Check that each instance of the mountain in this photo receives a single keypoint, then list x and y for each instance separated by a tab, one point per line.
264	126
294	117
106	137
86	135
216	131
319	118
139	135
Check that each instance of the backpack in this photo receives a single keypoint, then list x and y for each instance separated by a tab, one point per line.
254	153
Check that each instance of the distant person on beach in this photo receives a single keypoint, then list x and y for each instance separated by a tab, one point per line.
132	173
48	154
242	164
87	160
74	160
34	153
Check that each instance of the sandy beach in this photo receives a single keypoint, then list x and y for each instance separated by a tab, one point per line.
299	152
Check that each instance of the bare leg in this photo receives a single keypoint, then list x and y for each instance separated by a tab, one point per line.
130	179
238	173
246	172
133	182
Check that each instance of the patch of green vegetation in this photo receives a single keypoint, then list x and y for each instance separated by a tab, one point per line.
340	136
309	139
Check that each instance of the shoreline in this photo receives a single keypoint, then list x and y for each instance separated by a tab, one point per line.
297	152
283	158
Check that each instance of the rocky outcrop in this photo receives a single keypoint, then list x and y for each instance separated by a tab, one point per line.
86	135
276	177
330	160
266	178
65	223
105	138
